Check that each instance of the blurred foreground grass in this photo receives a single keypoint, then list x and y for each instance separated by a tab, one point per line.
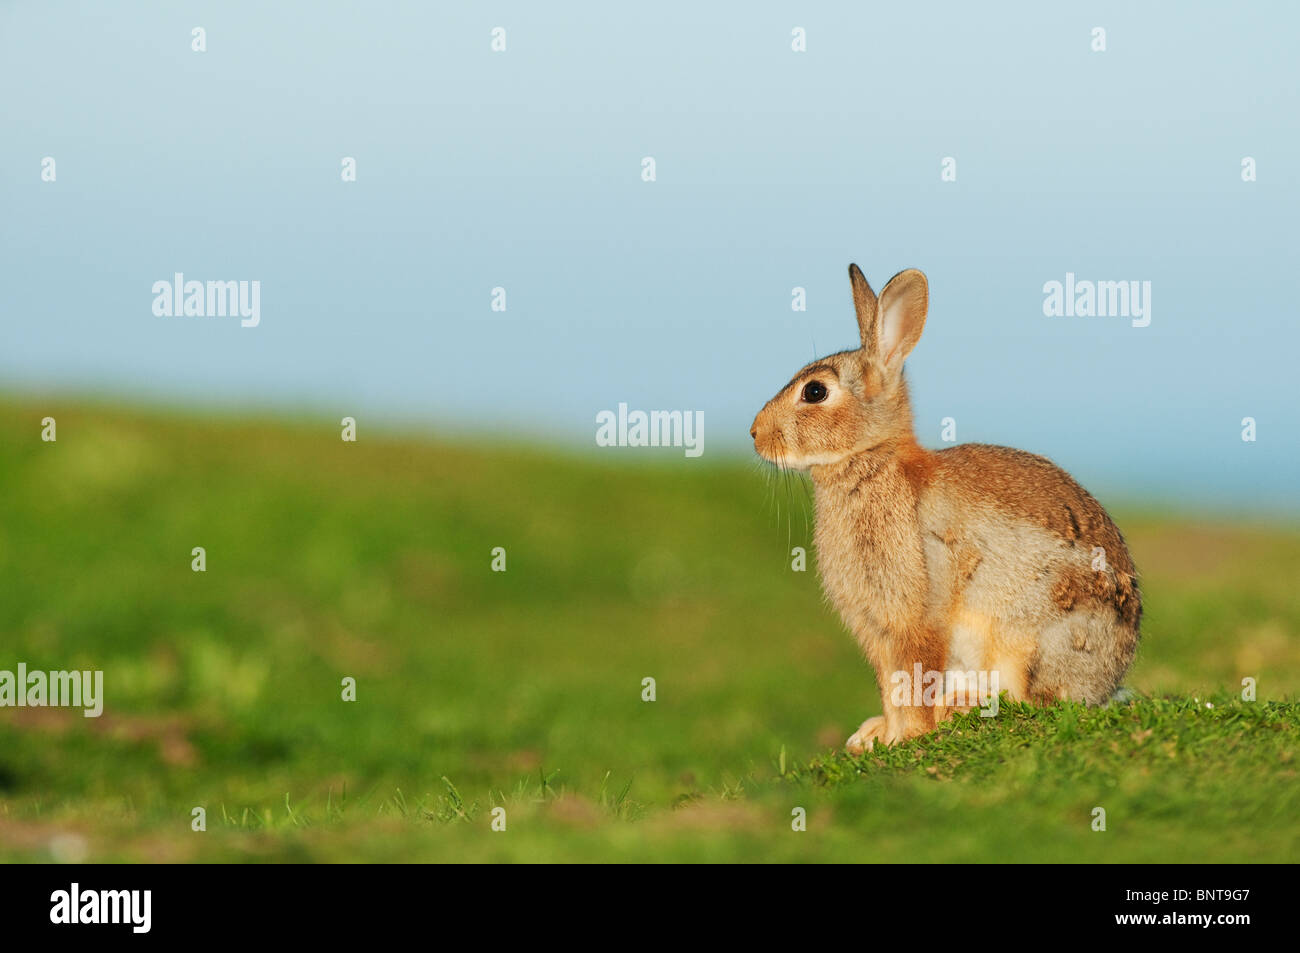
475	689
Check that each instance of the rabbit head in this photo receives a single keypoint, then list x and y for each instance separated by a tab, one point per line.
856	400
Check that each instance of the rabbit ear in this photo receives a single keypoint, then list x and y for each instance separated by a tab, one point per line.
864	302
902	308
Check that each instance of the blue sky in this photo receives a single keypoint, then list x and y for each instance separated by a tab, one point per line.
775	169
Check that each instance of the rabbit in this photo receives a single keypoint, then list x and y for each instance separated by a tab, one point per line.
972	559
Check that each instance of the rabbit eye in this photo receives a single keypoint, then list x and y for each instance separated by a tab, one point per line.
814	392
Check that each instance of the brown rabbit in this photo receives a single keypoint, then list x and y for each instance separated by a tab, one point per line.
970	559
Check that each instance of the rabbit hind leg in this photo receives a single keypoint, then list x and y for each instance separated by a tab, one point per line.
1083	657
986	656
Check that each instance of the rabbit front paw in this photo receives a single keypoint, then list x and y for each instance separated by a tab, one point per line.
864	739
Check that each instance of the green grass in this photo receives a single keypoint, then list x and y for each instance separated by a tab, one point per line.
523	689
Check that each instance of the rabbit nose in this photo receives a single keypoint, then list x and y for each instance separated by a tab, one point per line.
753	433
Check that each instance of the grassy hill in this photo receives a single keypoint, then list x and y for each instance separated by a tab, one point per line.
523	689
